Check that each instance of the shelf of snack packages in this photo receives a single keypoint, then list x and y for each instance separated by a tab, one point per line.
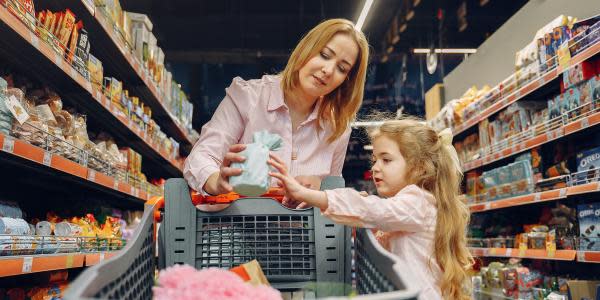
73	166
569	123
100	94
584	182
128	32
528	78
41	263
56	243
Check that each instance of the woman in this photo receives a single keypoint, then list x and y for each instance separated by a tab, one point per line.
310	105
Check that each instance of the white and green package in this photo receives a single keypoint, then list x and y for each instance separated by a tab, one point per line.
254	180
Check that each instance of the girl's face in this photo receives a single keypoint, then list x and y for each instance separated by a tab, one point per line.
327	70
389	167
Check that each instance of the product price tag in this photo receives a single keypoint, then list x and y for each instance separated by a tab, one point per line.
92	175
537	197
16	109
8	145
69	263
487	206
47	158
101	259
518	94
27	263
132	191
585	123
492	251
562	193
35	41
88	86
116	185
509	252
58	60
581	256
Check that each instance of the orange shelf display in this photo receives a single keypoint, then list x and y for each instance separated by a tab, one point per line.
33	153
17	265
570	128
567	255
588	256
520	200
525	90
95	258
69	72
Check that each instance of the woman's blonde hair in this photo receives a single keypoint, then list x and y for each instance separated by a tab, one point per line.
433	165
339	107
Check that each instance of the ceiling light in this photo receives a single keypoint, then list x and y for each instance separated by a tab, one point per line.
368	147
390	49
403	27
396	39
363	15
410	15
367	124
384	59
445	51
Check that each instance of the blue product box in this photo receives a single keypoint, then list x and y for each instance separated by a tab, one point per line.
589	226
588	160
522	177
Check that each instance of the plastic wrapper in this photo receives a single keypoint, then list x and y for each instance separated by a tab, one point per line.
10	210
44	228
13	226
255	179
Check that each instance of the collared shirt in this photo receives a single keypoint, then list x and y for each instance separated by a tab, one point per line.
255	105
408	221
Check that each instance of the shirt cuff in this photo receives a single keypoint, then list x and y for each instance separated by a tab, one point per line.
197	178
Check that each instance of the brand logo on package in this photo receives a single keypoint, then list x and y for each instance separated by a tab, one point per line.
590	159
589	212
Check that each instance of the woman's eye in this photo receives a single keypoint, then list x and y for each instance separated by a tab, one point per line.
324	55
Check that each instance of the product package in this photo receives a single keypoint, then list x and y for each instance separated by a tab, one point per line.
589	226
588	160
255	180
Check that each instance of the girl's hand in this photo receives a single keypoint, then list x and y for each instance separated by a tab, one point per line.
218	182
311	182
293	189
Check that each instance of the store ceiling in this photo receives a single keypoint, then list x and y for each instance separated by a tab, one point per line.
241	31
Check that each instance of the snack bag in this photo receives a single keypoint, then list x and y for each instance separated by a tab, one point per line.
254	180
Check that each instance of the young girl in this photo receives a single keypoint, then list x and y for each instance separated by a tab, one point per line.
417	175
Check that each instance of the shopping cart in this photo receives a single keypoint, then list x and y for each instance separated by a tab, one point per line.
299	250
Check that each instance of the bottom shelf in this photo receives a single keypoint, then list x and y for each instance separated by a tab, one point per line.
18	265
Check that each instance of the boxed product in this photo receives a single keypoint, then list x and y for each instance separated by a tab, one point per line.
113	89
96	71
577	74
589	226
504	182
588	160
490	181
141	27
585	33
594	90
522	177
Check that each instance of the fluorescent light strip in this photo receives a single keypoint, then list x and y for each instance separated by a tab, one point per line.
368	147
445	51
363	15
366	124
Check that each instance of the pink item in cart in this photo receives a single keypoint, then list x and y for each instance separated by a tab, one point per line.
181	282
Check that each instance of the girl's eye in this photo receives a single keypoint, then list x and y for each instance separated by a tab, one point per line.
386	160
324	55
342	69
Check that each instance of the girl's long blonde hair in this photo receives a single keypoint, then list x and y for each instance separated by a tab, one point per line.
433	165
339	107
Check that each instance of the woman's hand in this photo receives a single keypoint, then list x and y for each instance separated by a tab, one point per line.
218	182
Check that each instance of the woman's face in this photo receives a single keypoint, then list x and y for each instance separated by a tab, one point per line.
327	70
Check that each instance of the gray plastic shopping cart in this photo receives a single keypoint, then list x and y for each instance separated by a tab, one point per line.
299	250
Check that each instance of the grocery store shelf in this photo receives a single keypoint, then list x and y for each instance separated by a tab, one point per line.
567	255
118	60
59	164
588	256
525	90
520	200
543	138
551	195
18	265
30	53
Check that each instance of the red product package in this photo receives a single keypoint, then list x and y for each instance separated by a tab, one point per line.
577	74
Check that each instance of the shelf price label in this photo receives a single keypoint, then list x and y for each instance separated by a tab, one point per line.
562	193
101	259
116	184
58	60
492	251
92	175
69	263
509	252
8	145
47	158
537	197
585	123
35	41
27	264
